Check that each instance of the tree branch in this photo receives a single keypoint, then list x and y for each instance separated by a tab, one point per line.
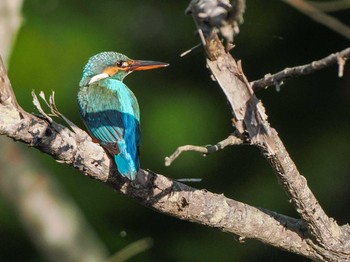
331	6
249	118
279	78
10	21
52	220
320	17
151	190
205	150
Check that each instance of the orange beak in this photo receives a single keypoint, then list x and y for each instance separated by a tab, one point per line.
137	65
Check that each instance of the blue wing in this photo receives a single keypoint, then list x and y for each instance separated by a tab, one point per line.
112	117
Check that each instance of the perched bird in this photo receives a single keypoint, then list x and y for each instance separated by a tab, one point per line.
109	109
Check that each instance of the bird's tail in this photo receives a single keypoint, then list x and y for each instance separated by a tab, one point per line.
127	164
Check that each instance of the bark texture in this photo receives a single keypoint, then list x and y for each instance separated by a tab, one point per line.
152	190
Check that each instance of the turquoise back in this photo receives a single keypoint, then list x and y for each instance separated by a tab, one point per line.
111	113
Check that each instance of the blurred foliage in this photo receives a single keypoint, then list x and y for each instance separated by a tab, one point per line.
181	105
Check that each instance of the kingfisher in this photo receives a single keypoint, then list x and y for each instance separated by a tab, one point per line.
109	109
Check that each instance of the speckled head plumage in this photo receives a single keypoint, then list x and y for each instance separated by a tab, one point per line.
115	65
98	63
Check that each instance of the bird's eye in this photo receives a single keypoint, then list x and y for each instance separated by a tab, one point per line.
122	64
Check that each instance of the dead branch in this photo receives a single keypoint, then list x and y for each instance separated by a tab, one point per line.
53	221
320	17
10	21
131	250
331	6
287	73
151	190
205	150
249	117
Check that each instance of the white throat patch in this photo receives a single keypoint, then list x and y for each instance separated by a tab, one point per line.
98	77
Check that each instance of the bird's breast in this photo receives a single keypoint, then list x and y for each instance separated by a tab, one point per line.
108	94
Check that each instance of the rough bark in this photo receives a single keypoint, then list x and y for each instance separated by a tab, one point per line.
152	190
251	122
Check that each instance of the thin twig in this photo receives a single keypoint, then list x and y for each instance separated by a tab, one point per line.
280	77
189	180
320	17
190	50
205	150
131	250
37	104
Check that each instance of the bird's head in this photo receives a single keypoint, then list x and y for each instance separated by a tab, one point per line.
115	65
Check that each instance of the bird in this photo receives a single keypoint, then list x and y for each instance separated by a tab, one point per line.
109	109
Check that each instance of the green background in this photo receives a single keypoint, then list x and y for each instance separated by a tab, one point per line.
181	105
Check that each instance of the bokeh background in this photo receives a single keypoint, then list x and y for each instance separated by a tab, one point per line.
181	105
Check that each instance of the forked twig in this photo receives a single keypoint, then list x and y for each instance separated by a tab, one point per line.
205	150
54	112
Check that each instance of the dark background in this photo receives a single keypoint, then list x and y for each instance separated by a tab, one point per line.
181	105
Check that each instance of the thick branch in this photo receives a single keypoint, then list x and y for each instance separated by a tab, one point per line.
53	221
154	191
249	117
280	77
10	21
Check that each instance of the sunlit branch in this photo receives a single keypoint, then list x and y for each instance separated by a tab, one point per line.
205	150
278	79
